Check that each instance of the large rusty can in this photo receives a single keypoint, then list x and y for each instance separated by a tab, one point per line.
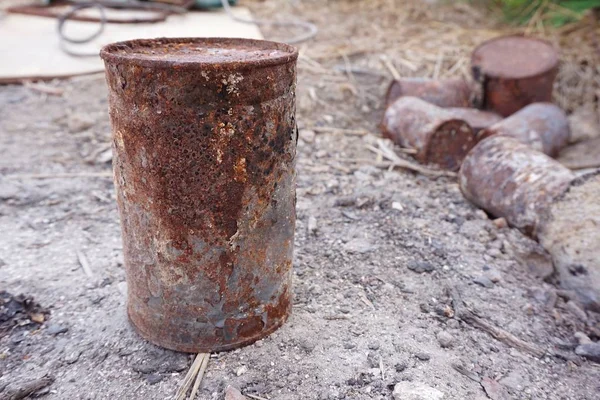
515	71
204	141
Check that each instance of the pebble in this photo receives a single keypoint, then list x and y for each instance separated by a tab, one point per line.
591	351
445	339
401	366
576	310
423	356
56	329
153	379
232	393
452	324
582	338
79	122
349	345
307	135
420	266
500	223
484	281
416	391
241	370
72	356
373	346
494	275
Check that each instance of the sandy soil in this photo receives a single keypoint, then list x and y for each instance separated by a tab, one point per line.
379	256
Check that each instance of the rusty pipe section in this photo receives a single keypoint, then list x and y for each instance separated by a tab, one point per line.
438	137
454	92
204	141
543	126
514	71
509	179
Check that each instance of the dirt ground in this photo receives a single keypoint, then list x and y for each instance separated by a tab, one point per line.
380	254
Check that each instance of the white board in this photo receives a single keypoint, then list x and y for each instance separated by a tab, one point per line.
29	45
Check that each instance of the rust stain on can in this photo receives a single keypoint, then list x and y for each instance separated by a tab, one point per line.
204	141
437	136
453	92
509	179
543	126
515	71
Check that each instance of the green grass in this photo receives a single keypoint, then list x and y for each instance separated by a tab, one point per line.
552	12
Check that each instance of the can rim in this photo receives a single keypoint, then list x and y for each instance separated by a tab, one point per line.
116	53
553	66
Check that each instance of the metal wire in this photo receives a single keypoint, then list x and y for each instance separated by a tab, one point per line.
309	28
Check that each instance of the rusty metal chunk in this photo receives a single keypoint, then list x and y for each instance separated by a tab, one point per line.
477	119
515	71
570	232
204	142
453	92
510	179
433	132
543	126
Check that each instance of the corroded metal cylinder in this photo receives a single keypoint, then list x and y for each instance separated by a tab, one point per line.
204	141
477	119
437	136
453	92
543	126
515	71
509	179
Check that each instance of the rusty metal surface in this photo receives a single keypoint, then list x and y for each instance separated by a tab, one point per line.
477	119
204	141
515	71
570	232
510	179
441	92
543	126
433	132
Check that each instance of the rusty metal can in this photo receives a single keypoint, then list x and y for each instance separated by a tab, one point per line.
204	141
543	126
477	119
454	92
509	179
433	132
515	71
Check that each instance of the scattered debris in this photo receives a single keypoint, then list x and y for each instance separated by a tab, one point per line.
19	311
494	389
438	137
515	71
509	179
543	126
232	393
22	390
455	92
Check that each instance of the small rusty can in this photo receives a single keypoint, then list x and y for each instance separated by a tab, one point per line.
515	71
436	134
543	126
509	179
453	92
204	141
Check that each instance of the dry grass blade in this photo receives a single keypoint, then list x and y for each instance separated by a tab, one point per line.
189	377
62	176
200	375
255	397
349	132
85	264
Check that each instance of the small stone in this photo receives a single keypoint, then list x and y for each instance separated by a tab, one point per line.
445	339
56	329
373	346
416	391
78	122
72	356
423	356
591	351
576	310
500	223
153	379
241	370
397	206
453	324
420	266
528	309
484	281
307	135
373	360
401	366
349	345
232	393
582	338
312	226
494	275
